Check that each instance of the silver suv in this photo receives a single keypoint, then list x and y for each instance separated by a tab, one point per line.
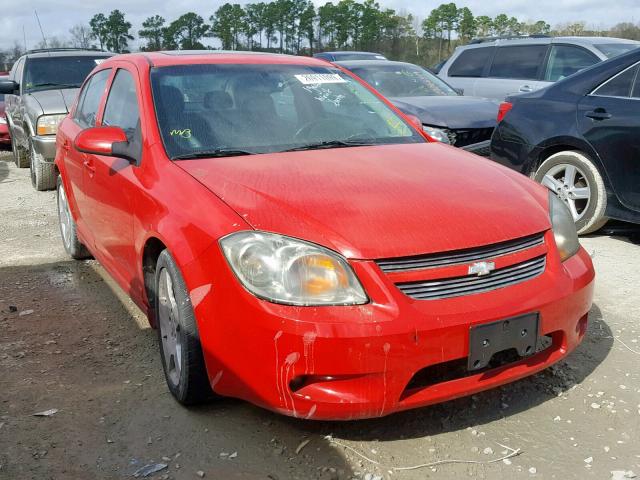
498	67
39	92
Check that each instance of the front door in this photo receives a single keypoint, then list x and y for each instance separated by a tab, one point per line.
609	119
110	183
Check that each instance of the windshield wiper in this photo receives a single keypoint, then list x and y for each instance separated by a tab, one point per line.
330	144
57	85
218	152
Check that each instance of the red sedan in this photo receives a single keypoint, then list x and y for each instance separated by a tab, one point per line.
300	244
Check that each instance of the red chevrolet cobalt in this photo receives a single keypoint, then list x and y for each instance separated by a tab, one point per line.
298	243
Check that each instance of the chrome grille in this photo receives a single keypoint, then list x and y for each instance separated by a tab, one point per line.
468	255
471	284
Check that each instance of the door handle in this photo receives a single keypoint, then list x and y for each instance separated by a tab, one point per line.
598	114
525	89
88	164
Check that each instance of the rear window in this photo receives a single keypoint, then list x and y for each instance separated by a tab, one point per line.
471	62
618	86
611	50
518	62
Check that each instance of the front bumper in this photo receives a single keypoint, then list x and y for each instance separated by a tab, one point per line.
353	362
481	148
45	145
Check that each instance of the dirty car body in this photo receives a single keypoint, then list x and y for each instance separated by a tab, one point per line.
331	268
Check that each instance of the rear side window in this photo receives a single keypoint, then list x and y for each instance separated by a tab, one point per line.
636	88
122	104
566	60
618	86
471	62
90	97
518	62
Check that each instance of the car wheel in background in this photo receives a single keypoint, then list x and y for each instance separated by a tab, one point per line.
20	157
43	174
575	179
72	245
180	349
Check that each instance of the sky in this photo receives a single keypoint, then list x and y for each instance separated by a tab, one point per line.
59	16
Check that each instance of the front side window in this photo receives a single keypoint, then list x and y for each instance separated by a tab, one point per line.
89	100
471	62
397	80
55	72
520	62
268	108
565	60
122	109
618	86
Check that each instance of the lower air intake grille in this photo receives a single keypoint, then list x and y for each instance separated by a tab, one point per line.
471	284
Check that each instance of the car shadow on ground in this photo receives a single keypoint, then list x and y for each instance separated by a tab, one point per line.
70	340
485	407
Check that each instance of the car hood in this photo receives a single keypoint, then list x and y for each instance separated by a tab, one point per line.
55	101
379	201
454	112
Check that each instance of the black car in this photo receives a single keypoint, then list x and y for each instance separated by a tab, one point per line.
445	114
581	138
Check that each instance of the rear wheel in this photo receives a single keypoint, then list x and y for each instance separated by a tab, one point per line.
180	349
68	231
20	157
574	178
43	174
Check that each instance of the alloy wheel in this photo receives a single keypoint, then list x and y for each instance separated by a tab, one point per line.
169	325
570	184
64	216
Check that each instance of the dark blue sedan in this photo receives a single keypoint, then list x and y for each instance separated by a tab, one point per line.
581	138
445	114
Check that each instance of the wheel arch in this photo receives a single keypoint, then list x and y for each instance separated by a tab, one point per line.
152	249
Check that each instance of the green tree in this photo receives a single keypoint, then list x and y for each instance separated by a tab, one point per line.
501	24
187	31
227	24
484	26
153	31
466	27
118	35
307	24
99	29
327	23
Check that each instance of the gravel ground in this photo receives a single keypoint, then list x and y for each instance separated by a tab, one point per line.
70	340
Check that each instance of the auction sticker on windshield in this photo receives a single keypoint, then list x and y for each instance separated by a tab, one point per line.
315	78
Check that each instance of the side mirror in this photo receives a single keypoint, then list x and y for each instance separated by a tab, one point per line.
459	91
8	87
108	141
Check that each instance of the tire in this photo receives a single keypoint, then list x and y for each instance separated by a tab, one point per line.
43	174
178	339
20	157
68	230
585	194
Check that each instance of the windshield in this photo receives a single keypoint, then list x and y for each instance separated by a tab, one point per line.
47	73
397	80
244	109
614	49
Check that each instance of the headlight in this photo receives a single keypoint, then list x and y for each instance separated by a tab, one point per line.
48	124
285	270
438	134
564	228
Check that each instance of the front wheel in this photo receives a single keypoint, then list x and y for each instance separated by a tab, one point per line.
574	178
43	174
20	157
180	349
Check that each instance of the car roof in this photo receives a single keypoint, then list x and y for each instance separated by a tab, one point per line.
543	40
350	52
70	53
191	57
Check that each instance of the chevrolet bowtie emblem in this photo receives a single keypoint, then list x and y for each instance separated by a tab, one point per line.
481	268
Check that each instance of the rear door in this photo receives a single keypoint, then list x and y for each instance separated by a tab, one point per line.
609	119
514	69
111	183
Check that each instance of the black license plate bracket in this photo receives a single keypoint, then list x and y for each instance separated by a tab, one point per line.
487	339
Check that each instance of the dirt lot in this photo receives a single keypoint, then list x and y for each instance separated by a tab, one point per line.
70	340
